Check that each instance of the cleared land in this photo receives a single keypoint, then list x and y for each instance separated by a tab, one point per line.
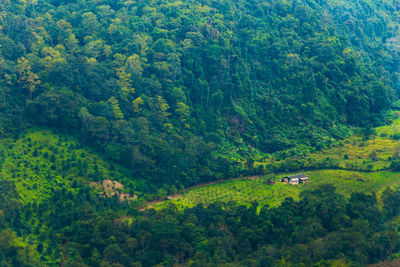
41	162
246	191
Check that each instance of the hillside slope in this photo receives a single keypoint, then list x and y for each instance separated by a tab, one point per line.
160	85
42	162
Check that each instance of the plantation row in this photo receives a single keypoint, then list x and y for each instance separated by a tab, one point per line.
247	191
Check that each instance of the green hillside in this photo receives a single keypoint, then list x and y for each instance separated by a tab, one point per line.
364	162
42	162
155	84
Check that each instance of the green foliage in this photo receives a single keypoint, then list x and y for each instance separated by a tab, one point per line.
148	77
15	251
322	226
391	202
186	92
246	191
395	166
40	162
376	153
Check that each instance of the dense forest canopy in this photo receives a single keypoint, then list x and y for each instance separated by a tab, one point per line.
81	229
159	85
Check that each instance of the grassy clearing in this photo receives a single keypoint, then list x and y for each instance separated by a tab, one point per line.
357	153
246	191
40	162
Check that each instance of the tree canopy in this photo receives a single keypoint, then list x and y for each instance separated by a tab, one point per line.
153	76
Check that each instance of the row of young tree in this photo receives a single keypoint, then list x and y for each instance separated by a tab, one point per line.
157	85
82	229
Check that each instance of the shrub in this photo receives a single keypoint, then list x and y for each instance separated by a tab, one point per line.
395	136
373	155
395	165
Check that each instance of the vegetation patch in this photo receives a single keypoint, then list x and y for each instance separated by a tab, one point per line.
246	191
368	149
41	162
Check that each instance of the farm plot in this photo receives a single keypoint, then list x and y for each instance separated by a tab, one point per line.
42	162
247	191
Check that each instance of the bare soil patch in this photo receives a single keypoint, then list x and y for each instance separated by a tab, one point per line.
111	188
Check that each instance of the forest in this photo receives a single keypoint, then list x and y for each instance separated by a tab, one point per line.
167	88
162	95
322	228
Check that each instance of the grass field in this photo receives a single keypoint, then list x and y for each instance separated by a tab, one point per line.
41	162
246	191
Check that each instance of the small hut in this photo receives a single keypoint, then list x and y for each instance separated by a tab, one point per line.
295	179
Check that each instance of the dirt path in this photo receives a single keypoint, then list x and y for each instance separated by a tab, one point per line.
394	263
64	254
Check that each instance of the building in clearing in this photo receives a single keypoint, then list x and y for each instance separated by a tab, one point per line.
295	179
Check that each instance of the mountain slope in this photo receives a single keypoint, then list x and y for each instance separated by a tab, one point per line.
155	84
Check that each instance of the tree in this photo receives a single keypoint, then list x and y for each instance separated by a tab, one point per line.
368	132
27	78
395	165
115	106
99	130
250	165
53	56
391	202
159	107
134	64
131	244
9	199
90	23
114	254
125	82
182	110
136	104
85	117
